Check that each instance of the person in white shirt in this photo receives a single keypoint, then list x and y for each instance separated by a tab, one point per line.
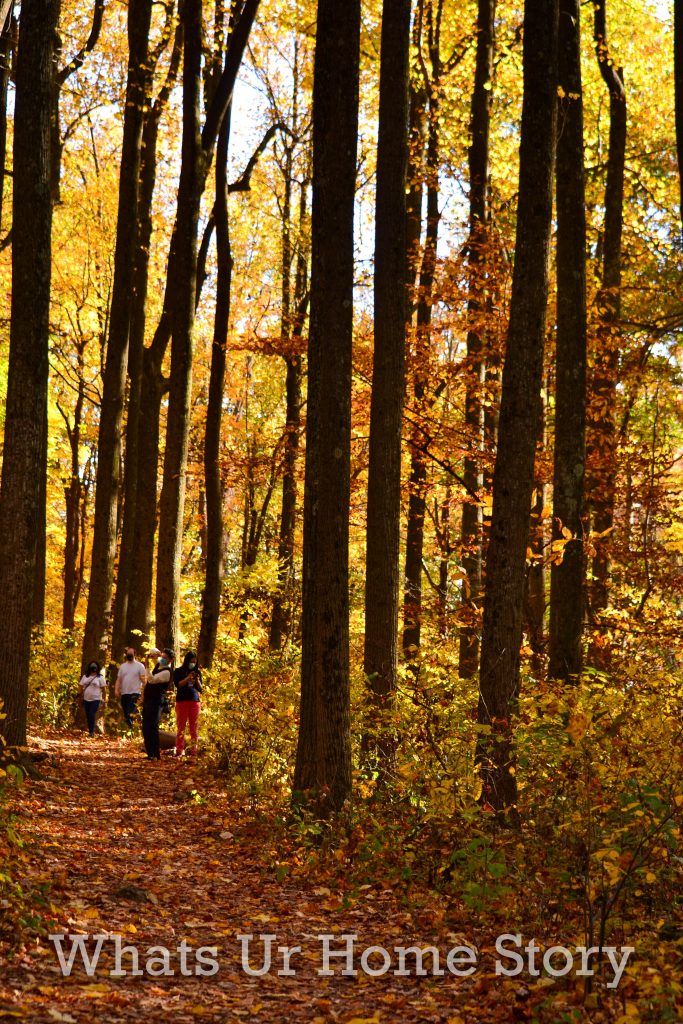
94	687
128	685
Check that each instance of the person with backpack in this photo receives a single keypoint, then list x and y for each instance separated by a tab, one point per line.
94	687
188	684
153	694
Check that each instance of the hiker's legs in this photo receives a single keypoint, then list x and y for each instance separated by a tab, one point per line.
194	723
182	710
129	703
91	708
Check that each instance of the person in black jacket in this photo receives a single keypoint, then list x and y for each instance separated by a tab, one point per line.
188	683
155	689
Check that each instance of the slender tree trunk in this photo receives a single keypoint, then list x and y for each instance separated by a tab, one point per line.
603	434
282	606
472	519
522	376
292	327
97	623
73	500
40	570
388	374
25	436
424	399
211	598
153	388
568	575
414	184
414	200
417	500
323	760
534	594
446	547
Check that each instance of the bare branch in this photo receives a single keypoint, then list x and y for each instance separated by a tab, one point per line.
78	59
243	184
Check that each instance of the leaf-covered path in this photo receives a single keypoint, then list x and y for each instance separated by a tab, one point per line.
153	852
160	854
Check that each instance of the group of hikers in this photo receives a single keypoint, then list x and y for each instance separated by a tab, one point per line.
134	679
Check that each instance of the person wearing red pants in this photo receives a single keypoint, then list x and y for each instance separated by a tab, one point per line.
188	684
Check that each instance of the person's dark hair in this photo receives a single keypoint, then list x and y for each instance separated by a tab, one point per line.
170	652
94	665
189	656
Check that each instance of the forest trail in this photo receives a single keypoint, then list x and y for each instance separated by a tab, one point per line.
156	853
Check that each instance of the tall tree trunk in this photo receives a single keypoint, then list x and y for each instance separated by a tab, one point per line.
323	759
522	376
534	592
40	569
211	598
153	388
138	418
292	327
414	181
25	437
424	400
414	200
197	149
417	500
96	640
73	499
567	576
281	621
472	519
603	433
443	517
388	375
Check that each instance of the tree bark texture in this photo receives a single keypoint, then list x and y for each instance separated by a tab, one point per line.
323	760
25	434
73	497
40	569
417	499
535	588
211	597
293	318
603	428
388	374
478	156
522	375
568	575
423	399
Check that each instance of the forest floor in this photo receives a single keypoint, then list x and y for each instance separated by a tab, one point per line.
158	853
